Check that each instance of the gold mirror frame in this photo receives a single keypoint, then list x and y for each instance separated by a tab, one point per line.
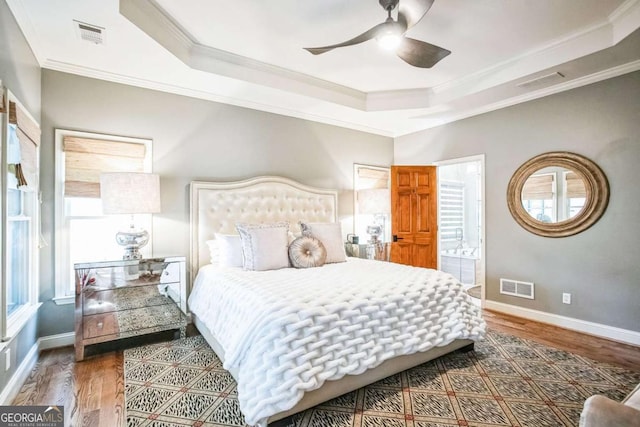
596	200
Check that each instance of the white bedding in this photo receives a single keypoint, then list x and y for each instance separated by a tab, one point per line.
288	331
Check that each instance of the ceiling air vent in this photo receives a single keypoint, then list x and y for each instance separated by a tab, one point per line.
542	80
88	32
516	288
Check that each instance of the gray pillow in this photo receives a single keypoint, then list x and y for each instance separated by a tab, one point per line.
307	251
264	246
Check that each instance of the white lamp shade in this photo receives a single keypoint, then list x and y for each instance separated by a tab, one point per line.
130	193
374	201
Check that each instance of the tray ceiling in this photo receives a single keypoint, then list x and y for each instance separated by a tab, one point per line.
249	53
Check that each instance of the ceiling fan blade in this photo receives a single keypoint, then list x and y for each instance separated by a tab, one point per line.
367	35
420	54
410	12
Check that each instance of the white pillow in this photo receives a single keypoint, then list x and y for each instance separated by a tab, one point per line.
330	234
229	250
264	246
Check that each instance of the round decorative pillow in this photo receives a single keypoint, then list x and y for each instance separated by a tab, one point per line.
307	251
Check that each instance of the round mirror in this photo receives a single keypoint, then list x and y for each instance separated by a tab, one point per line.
557	194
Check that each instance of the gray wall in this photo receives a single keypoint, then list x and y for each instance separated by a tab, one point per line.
20	73
600	267
192	140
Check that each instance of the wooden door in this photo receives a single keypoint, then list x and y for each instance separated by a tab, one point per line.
414	216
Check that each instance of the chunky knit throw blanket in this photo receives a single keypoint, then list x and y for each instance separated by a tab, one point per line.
288	331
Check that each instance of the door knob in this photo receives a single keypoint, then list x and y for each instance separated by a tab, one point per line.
396	238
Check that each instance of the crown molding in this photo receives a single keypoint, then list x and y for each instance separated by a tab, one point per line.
624	18
541	93
427	121
209	96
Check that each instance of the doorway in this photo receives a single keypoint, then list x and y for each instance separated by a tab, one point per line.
461	222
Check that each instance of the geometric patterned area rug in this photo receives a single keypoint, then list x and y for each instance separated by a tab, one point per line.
505	381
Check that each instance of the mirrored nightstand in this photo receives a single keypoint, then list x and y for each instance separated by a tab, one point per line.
128	298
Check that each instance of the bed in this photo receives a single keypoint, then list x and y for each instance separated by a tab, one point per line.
295	337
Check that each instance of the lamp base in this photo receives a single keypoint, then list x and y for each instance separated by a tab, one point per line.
132	240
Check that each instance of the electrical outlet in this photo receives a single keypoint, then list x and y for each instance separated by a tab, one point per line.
566	298
7	359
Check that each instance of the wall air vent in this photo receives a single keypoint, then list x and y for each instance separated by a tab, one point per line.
88	32
547	79
516	288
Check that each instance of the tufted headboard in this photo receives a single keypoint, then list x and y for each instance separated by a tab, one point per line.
216	207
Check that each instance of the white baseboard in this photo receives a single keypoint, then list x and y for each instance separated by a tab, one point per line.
55	341
18	378
610	332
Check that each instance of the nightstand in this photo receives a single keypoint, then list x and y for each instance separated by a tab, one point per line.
128	298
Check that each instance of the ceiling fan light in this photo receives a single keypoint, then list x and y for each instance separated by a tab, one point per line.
389	40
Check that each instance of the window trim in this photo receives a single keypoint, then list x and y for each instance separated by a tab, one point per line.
11	324
64	294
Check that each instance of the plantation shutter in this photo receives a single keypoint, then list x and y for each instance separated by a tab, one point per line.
86	159
538	187
575	186
451	195
28	133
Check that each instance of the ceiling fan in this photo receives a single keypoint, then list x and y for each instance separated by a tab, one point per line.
390	34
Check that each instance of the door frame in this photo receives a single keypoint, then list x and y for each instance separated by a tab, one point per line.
483	259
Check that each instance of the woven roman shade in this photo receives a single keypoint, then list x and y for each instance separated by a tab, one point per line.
376	178
538	187
575	186
29	136
86	159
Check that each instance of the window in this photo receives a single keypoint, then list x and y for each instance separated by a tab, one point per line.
19	230
21	219
84	233
366	177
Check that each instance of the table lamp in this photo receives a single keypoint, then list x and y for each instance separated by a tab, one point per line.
130	193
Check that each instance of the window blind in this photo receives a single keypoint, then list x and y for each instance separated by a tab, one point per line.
29	136
538	187
374	178
86	159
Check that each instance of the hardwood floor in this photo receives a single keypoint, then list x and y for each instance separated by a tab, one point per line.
92	391
600	349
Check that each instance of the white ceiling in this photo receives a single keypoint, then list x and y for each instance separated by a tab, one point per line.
249	53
